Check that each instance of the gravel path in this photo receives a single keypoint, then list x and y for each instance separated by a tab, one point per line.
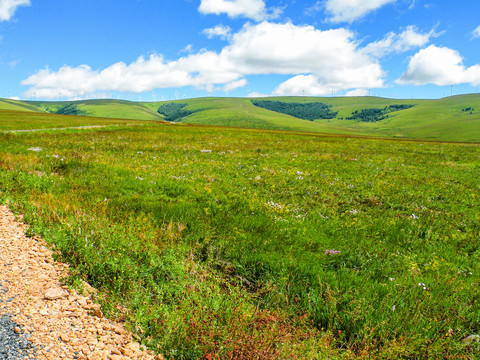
14	342
40	319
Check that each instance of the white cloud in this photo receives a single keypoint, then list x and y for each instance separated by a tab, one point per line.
351	10
369	76
319	61
398	43
358	92
313	9
235	85
142	75
187	49
221	31
439	66
269	48
252	9
476	33
301	85
8	8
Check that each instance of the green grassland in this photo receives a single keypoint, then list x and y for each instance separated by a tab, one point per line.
230	243
442	119
15	105
14	120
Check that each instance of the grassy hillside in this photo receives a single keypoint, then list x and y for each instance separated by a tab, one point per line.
228	243
443	119
6	104
117	109
241	113
440	119
11	120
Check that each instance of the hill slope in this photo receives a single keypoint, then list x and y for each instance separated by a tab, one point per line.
454	118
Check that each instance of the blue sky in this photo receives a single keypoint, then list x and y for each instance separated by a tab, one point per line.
164	49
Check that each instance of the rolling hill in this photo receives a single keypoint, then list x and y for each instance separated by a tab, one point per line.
455	118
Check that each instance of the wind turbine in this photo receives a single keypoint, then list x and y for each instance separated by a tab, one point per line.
154	96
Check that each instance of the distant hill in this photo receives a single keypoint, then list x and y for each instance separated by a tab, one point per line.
454	118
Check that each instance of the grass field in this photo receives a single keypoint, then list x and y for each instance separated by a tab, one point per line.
441	119
14	120
227	243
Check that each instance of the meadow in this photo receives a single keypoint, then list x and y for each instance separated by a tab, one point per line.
439	119
14	121
227	243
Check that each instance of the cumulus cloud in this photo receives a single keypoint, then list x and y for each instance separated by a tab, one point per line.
8	8
398	43
369	76
476	33
351	10
202	70
235	85
358	92
252	9
220	31
439	66
269	48
318	61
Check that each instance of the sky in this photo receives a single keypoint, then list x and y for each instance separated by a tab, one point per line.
152	50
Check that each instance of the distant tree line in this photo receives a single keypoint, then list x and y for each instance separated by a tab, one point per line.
174	111
374	115
306	111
